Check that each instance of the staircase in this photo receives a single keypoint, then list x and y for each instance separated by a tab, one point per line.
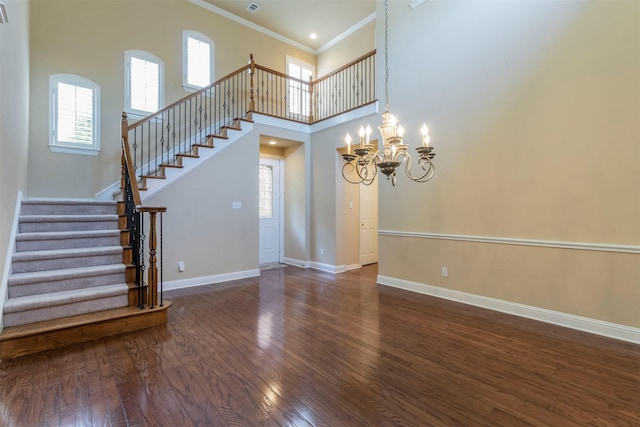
184	161
68	280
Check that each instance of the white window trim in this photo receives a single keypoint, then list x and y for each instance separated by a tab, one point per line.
292	60
146	56
186	34
301	64
70	147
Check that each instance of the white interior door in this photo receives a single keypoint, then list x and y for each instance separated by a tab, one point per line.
369	223
269	209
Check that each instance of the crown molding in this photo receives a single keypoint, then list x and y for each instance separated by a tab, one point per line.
280	37
346	34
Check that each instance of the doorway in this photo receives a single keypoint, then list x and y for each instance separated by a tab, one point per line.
270	181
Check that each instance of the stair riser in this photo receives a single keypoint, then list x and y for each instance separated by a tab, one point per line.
45	226
85	242
60	311
60	263
26	289
67	209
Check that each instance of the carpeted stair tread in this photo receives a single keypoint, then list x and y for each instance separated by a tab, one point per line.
65	253
33	302
64	274
59	259
67	218
61	235
47	240
66	206
49	223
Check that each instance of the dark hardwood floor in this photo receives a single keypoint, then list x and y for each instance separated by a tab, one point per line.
305	348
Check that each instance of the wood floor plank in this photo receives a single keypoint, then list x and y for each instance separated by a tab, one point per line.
299	347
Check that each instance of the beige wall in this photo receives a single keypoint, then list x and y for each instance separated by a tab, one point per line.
537	137
89	38
14	108
295	204
200	226
334	227
357	44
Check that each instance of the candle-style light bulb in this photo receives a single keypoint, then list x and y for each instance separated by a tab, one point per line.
425	135
361	133
368	132
400	131
348	141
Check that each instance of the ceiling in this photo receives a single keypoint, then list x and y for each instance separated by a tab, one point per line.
297	19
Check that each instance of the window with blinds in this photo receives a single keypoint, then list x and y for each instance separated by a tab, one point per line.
74	124
197	60
144	74
298	98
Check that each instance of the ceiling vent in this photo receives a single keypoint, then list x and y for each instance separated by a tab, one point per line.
253	7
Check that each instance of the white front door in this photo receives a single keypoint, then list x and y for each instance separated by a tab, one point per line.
369	223
269	209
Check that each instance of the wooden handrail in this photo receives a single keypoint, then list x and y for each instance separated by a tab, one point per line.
344	67
204	89
280	74
127	163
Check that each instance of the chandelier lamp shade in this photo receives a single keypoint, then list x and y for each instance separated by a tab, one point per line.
361	162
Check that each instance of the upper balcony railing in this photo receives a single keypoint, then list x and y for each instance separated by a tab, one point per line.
156	141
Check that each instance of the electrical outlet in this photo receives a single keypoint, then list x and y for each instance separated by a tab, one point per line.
321	252
445	272
181	266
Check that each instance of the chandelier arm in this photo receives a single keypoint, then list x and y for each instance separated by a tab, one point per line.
353	168
429	174
363	167
428	171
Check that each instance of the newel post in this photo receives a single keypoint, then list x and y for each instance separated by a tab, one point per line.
252	70
152	272
310	99
152	277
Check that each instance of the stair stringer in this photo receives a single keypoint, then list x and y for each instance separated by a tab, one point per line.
171	174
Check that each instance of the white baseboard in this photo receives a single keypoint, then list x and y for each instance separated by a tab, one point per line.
4	289
296	262
208	280
328	268
585	324
353	267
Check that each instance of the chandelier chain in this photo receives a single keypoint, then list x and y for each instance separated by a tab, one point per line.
386	55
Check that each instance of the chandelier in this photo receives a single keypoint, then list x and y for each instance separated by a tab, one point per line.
362	162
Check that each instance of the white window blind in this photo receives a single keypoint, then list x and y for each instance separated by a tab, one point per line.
74	114
144	82
197	60
74	123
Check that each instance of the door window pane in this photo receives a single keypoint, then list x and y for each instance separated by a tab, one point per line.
266	191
